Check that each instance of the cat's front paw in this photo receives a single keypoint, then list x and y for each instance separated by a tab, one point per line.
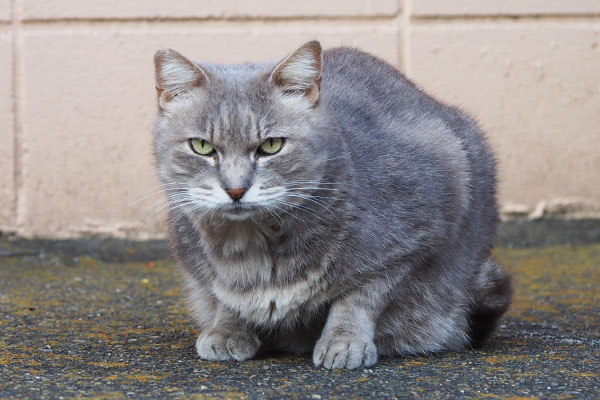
227	345
349	352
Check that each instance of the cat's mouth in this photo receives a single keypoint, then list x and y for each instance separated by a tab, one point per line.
238	210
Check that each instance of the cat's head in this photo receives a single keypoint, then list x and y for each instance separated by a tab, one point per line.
240	140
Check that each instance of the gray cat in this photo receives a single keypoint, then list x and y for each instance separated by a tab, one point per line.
324	203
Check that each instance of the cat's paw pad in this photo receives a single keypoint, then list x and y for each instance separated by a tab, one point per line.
221	346
344	352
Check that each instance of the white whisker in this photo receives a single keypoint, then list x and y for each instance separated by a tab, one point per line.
157	192
315	189
300	207
274	214
312	200
291	215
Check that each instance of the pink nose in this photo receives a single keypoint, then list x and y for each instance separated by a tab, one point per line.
236	194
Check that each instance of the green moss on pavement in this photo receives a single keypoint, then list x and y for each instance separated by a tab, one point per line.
110	329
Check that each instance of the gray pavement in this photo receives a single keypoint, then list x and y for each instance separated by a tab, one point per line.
104	318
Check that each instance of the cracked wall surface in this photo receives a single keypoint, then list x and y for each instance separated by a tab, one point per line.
78	103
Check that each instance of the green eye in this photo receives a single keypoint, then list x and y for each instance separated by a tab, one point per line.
201	146
271	146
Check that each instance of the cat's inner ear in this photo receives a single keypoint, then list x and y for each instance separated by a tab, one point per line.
300	72
175	75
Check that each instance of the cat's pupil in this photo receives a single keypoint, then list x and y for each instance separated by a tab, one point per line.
271	142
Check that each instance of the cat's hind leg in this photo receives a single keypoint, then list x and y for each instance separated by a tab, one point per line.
424	317
444	310
492	294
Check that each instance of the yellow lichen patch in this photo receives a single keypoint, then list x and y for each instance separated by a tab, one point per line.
520	398
550	280
143	378
586	374
199	396
172	292
134	331
231	395
106	364
507	358
33	371
362	379
6	359
481	394
212	365
413	362
110	396
492	360
97	335
87	262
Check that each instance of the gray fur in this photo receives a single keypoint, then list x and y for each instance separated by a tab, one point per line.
369	234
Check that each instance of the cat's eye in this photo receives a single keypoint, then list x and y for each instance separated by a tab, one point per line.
201	146
271	146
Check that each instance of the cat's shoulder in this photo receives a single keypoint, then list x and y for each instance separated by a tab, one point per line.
350	58
349	54
347	65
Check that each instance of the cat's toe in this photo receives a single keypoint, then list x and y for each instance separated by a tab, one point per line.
344	353
212	346
242	346
217	346
336	355
361	355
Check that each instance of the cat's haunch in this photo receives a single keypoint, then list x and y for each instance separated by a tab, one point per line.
322	203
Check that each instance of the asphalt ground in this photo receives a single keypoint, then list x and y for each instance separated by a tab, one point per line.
104	318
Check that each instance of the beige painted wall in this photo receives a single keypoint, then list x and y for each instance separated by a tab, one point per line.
78	96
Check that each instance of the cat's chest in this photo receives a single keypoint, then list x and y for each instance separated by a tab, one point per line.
267	304
241	254
248	275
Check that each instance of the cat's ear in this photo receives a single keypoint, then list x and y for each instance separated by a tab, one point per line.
300	72
175	75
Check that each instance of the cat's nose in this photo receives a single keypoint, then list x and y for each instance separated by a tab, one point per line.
236	194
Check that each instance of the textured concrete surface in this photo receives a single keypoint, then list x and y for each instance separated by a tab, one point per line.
503	7
5	13
131	9
105	319
6	132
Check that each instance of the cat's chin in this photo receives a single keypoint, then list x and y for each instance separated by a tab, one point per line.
238	213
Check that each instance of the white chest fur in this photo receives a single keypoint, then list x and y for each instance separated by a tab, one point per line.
242	257
267	304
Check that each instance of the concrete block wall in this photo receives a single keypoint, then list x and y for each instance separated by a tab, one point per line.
79	99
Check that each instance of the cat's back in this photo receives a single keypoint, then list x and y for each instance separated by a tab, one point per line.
373	101
355	69
399	134
359	84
